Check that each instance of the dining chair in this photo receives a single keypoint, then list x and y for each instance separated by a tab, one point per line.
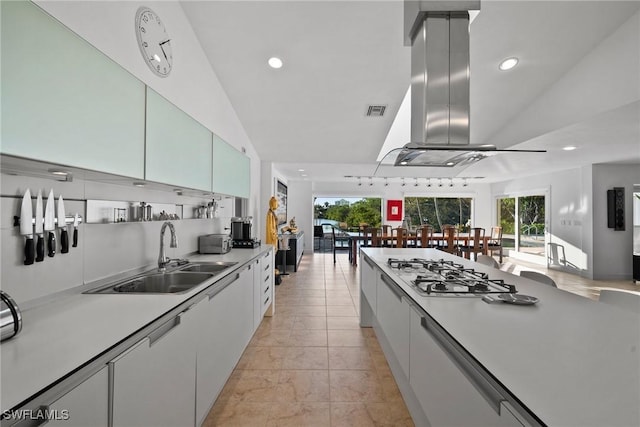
375	237
538	277
318	233
487	260
399	235
450	240
625	300
495	242
473	247
424	234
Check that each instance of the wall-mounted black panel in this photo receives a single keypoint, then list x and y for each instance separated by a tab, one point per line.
615	208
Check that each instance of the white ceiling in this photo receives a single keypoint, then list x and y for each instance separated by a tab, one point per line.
341	56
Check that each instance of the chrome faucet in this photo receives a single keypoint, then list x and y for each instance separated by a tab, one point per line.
162	258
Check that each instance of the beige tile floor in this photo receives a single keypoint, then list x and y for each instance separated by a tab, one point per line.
312	365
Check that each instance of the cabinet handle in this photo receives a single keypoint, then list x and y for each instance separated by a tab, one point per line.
266	301
369	262
486	389
218	287
266	290
163	330
392	287
267	278
267	267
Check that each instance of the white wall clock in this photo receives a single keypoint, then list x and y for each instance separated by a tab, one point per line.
154	42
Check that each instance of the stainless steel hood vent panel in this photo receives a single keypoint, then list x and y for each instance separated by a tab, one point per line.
440	80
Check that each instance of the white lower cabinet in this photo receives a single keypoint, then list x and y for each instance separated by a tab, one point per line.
153	383
267	291
441	382
392	312
225	326
368	281
84	406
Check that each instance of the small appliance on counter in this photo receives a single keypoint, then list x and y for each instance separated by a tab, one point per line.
10	317
241	233
214	244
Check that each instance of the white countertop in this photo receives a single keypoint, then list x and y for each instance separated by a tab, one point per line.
59	337
571	360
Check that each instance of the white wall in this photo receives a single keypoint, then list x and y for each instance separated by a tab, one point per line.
578	217
613	250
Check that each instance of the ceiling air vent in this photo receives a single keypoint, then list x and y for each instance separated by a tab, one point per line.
376	110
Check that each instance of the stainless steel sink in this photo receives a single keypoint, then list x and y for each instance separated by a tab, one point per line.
208	267
160	283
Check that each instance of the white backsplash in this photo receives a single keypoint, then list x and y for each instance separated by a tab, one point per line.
103	249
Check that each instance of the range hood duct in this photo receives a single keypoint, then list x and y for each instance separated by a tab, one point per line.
440	79
438	33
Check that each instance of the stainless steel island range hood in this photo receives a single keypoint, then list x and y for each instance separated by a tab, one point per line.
438	32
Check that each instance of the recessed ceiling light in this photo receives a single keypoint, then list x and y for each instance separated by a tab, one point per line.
300	170
139	184
403	163
304	174
508	63
58	172
569	148
275	62
156	57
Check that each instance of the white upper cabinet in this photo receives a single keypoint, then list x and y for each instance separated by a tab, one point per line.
65	102
231	170
178	148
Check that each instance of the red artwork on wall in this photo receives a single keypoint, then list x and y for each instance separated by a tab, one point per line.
394	210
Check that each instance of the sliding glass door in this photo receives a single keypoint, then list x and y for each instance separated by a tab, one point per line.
523	222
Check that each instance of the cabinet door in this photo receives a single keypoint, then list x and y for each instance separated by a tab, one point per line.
222	336
368	282
87	405
231	170
447	396
154	381
267	284
178	148
393	316
65	102
257	294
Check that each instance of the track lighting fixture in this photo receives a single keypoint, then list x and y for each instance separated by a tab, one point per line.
440	183
370	181
464	183
450	182
403	183
386	182
416	184
359	182
428	182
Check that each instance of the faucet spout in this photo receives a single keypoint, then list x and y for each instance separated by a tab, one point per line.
162	258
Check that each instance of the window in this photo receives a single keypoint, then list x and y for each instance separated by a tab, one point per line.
438	211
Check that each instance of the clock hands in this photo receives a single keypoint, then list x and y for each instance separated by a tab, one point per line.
162	48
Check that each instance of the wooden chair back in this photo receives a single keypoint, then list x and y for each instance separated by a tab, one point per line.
425	235
400	237
375	239
450	239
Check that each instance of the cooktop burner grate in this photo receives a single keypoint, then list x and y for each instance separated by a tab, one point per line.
447	278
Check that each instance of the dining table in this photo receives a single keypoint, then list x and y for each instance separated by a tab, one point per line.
413	241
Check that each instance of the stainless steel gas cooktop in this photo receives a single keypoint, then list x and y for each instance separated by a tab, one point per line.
447	278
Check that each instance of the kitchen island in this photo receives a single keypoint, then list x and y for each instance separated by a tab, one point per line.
565	361
106	359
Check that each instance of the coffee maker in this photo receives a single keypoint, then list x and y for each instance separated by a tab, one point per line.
241	233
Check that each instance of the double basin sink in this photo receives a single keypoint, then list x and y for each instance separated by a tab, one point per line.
178	280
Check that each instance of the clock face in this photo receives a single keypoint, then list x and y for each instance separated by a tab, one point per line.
154	42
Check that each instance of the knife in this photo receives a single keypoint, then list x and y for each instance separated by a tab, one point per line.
50	224
39	228
76	220
62	225
26	227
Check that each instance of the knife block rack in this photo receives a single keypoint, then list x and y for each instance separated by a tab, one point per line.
67	219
